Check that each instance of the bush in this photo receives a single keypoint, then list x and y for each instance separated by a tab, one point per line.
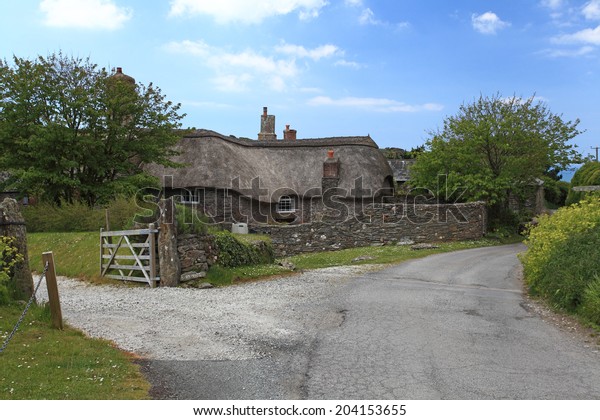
555	192
78	217
590	306
233	253
588	174
8	258
190	220
563	253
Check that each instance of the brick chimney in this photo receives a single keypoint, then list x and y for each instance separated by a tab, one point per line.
119	75
289	134
331	172
267	127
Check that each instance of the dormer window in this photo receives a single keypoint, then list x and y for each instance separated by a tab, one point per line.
286	204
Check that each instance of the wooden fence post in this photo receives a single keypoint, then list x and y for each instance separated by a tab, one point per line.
53	299
152	254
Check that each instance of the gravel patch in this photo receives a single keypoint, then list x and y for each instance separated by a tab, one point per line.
241	322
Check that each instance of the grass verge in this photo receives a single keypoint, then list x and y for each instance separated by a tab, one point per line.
220	276
76	254
44	363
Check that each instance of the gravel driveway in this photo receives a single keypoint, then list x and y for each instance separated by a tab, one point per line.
239	322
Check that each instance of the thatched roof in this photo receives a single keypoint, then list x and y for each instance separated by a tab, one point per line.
284	167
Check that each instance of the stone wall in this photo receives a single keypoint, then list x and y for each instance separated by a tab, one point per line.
381	224
196	254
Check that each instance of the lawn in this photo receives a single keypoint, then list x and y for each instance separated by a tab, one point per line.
44	363
76	254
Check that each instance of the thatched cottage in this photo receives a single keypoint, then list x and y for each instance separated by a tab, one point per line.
268	180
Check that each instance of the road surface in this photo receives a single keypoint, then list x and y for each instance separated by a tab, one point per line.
449	326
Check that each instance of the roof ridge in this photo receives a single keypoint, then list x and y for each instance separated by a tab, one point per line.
307	142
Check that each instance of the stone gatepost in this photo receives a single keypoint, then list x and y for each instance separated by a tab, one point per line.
12	224
168	256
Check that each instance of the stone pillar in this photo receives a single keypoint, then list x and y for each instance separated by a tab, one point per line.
168	257
12	224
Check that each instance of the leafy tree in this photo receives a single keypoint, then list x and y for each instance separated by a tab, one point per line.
397	153
70	131
588	174
493	147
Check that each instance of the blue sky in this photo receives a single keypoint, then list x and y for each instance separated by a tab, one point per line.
393	69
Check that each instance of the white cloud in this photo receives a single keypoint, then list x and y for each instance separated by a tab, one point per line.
239	71
585	36
488	23
591	10
316	54
579	52
367	17
373	104
351	64
353	3
225	11
85	14
552	4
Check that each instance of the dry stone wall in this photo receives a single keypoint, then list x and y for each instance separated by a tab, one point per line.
381	224
197	253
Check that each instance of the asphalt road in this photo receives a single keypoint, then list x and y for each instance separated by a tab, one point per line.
449	326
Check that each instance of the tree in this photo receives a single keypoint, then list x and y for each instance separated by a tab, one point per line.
70	131
397	153
588	174
493	147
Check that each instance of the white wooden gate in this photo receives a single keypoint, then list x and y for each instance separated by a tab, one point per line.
133	261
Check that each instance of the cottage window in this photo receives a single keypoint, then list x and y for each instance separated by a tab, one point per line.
286	204
189	197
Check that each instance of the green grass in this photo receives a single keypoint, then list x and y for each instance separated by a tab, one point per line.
76	254
44	363
220	276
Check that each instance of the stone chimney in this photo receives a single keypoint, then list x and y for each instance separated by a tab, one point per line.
331	172
289	134
267	127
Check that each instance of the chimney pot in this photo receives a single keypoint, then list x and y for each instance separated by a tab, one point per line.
330	154
265	111
119	69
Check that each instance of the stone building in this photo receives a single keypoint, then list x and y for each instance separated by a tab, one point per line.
270	180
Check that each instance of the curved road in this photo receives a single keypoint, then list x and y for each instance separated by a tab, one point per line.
449	326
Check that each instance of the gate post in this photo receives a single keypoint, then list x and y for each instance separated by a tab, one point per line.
53	297
12	224
169	264
152	254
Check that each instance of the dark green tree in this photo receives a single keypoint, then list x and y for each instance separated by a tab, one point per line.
70	131
493	147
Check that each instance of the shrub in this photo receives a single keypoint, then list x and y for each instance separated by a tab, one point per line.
233	253
555	192
588	174
8	258
563	254
590	306
570	268
78	217
190	220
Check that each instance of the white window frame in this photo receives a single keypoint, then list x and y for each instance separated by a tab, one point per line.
286	204
189	196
